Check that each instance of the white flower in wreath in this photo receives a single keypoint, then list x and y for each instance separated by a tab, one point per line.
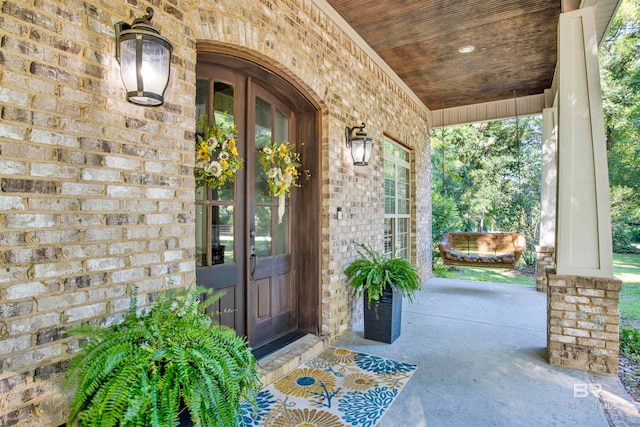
212	142
287	179
214	168
267	151
273	173
223	155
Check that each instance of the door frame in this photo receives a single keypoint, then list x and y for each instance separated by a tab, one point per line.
305	208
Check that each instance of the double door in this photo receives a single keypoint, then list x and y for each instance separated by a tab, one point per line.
243	248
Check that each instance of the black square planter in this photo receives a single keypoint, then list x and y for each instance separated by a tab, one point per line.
383	319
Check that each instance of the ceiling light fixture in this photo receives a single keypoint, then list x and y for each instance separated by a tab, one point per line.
467	49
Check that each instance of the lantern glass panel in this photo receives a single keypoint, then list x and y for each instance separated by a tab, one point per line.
358	151
155	65
367	150
128	64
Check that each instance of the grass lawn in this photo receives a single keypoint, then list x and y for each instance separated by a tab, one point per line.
626	267
484	274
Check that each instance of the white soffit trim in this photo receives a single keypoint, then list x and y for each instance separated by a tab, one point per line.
487	111
605	11
340	22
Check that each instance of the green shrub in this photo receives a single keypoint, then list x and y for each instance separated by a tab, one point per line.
630	341
440	270
144	371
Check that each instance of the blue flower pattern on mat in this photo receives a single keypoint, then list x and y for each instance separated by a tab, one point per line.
364	409
382	366
264	401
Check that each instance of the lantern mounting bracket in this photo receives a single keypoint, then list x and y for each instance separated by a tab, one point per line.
349	131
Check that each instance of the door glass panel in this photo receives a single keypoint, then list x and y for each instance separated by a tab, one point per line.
263	137
282	127
282	234
224	193
263	231
202	97
201	235
262	188
223	108
263	123
223	103
215	233
222	235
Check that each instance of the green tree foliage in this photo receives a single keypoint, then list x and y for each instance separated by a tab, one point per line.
486	177
620	77
625	217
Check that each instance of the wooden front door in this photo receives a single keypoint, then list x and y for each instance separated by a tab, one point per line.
242	247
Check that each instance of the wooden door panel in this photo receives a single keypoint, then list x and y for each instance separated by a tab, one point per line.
284	317
260	312
263	299
283	303
217	277
223	310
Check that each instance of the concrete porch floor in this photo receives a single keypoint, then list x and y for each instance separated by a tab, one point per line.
481	355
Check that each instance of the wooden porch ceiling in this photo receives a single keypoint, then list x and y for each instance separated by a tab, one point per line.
514	40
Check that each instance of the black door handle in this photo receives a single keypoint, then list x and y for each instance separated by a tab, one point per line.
253	261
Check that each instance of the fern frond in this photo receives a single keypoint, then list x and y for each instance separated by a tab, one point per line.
373	272
140	372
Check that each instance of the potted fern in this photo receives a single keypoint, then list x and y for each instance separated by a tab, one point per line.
152	367
382	281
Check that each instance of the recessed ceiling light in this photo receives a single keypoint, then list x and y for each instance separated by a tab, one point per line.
467	49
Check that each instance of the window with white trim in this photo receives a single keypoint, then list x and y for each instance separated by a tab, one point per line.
397	200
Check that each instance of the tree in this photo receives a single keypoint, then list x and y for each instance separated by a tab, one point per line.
620	77
487	177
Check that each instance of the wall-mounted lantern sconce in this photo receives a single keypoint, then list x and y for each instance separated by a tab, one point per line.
360	145
145	60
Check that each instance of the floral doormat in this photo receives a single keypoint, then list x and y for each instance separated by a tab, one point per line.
338	388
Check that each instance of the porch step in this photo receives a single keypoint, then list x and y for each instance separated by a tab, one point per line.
290	357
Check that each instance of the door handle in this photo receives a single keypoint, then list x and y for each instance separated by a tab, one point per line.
253	261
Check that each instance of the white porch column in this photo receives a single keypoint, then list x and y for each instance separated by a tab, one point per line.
545	251
550	177
583	245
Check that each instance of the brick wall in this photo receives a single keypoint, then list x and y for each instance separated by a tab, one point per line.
97	194
583	323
